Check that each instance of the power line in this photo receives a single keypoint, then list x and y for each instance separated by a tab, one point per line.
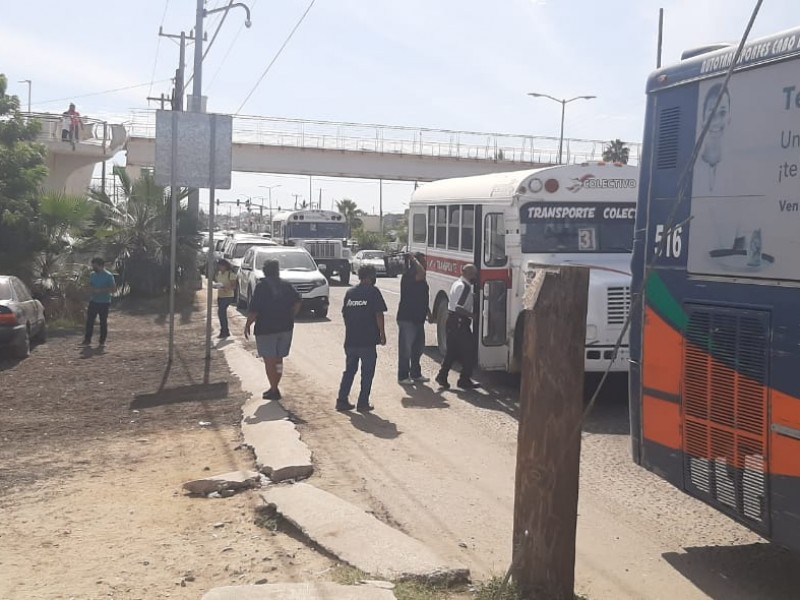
158	47
277	55
104	92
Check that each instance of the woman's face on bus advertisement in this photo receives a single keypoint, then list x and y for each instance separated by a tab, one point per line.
721	118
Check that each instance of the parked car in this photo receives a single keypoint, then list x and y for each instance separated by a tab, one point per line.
373	258
235	249
22	318
297	267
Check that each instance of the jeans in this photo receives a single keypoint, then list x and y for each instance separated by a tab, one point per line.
368	356
410	344
222	313
460	348
94	310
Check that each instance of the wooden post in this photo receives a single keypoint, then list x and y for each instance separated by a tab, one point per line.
549	442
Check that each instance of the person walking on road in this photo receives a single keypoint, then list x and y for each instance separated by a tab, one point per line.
225	282
411	316
273	308
364	329
460	341
102	285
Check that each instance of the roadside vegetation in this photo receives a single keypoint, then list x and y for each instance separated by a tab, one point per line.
47	238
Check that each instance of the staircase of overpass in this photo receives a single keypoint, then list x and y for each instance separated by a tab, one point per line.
325	148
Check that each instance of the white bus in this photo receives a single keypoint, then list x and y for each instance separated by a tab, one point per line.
322	232
506	222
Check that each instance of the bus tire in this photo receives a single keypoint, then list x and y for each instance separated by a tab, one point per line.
441	325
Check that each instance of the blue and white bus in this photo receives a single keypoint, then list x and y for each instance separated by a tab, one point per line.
715	337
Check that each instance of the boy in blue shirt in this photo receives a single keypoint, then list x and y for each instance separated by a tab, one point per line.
102	285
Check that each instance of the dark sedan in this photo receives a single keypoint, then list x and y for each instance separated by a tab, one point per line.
21	317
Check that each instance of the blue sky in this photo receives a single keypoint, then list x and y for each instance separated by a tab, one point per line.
451	64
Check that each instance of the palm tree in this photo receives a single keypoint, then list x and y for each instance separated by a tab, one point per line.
351	212
62	220
616	152
136	233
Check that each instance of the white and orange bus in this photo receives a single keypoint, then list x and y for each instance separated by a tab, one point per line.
506	222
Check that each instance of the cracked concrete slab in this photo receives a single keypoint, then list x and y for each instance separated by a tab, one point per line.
280	454
279	451
235	480
299	591
358	538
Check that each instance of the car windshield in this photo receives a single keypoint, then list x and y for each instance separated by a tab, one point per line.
288	261
373	255
242	247
569	227
5	290
323	231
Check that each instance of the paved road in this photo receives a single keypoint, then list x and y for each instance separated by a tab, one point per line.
440	466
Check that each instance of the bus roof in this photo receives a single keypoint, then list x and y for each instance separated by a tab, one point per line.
780	46
502	187
308	215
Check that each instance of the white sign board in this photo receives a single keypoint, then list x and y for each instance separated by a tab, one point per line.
197	164
746	182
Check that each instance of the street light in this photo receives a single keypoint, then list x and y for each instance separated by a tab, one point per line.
270	188
28	81
563	102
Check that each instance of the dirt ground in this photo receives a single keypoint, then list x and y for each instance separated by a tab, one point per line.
92	458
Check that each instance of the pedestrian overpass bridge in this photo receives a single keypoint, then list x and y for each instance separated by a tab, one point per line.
326	148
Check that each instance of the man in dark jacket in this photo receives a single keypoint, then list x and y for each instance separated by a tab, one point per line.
273	307
364	329
411	315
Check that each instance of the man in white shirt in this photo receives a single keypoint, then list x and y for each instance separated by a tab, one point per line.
460	341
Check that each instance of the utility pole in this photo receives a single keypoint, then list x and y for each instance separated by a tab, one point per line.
296	196
380	203
549	439
161	99
660	36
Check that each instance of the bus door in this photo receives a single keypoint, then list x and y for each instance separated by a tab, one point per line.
495	279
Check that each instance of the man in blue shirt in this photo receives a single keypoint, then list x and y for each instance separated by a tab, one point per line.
102	285
364	329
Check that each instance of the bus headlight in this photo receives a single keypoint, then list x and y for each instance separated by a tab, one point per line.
591	333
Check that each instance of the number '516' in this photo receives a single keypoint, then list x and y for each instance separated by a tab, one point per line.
673	246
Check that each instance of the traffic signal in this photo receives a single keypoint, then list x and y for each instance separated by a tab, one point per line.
261	210
247	203
237	202
217	202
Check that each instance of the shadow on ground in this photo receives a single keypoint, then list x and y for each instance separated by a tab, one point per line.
500	392
200	392
740	572
375	425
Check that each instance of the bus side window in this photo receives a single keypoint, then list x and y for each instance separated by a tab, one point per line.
468	229
453	226
441	226
418	229
431	224
494	240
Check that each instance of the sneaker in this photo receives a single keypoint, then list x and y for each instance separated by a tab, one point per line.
467	384
406	381
421	379
86	343
222	336
442	381
271	395
344	406
365	408
102	343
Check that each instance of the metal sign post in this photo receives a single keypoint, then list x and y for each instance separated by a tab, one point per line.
173	236
210	256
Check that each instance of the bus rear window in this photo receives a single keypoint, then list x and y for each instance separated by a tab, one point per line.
569	227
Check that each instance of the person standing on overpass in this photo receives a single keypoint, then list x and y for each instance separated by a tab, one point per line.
460	341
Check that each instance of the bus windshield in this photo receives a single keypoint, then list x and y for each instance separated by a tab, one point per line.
306	230
569	227
288	261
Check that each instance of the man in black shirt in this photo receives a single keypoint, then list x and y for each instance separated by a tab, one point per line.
363	320
274	306
411	315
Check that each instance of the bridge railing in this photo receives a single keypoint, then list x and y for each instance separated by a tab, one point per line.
95	132
409	141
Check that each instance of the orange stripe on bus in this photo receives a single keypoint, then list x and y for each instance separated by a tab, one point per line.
784	450
662	349
661	421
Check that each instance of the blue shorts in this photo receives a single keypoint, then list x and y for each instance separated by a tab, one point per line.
274	345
